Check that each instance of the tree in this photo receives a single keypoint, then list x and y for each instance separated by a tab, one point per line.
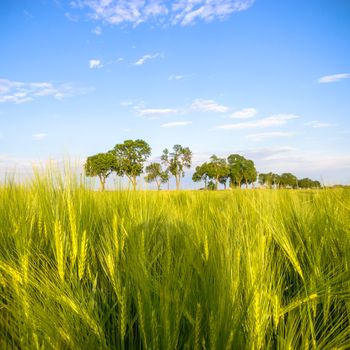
308	183
155	173
211	186
101	165
201	174
236	169
217	169
177	161
223	180
249	173
270	179
275	180
288	180
240	170
131	156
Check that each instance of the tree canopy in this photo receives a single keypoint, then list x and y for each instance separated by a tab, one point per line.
177	161
288	180
215	170
201	174
241	170
130	157
101	165
155	173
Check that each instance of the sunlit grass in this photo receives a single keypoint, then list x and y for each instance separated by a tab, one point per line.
249	269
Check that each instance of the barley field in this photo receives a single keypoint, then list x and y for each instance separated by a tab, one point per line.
241	269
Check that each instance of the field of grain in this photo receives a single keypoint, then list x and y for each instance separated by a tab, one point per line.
241	269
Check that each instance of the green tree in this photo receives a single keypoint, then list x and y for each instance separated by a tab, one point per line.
211	186
177	161
217	169
101	165
262	179
240	170
223	180
249	174
288	180
308	183
131	156
236	169
275	180
155	173
316	184
269	179
201	174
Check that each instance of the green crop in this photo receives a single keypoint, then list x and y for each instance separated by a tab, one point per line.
241	269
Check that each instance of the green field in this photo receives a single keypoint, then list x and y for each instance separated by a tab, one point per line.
241	269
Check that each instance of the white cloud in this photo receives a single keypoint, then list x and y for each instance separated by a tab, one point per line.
39	136
145	58
244	113
208	106
176	124
267	135
333	78
274	120
182	12
95	63
97	30
20	92
186	12
71	17
176	77
317	124
154	113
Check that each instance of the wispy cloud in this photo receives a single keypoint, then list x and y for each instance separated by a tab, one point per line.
208	106
176	77
20	92
71	17
244	113
333	78
176	124
268	135
145	58
274	120
97	30
318	125
154	113
39	136
187	12
95	63
179	12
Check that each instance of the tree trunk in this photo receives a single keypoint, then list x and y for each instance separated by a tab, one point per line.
158	184
102	182
216	183
177	178
133	181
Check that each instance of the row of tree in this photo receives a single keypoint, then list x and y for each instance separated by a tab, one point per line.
129	158
237	169
272	180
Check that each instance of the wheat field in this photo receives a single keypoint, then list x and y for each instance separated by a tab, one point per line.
241	269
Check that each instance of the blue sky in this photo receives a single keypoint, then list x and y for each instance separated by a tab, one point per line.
268	79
